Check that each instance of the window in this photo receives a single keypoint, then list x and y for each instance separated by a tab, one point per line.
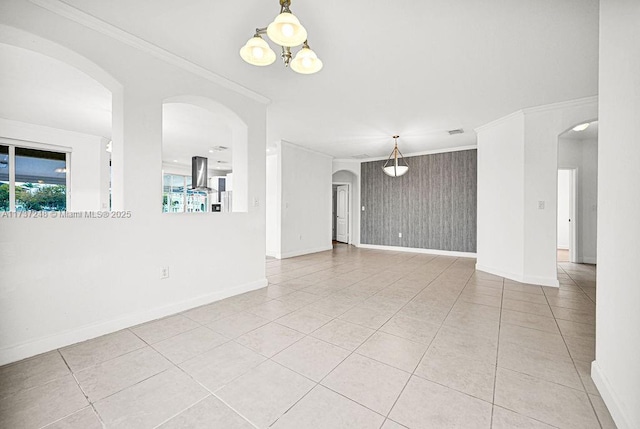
4	179
32	179
178	197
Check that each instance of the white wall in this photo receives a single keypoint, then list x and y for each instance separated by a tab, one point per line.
564	208
89	165
305	201
583	155
501	197
616	370
536	253
67	280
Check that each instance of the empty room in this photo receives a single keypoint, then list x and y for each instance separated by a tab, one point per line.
296	214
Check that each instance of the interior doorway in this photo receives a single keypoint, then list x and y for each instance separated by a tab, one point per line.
566	215
341	204
577	185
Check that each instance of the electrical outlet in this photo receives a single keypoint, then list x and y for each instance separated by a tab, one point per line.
540	205
164	273
400	235
362	208
256	202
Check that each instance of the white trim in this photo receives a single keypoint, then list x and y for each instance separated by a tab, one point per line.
67	11
562	105
412	154
72	336
542	281
419	250
498	121
563	247
286	143
609	397
302	252
537	109
588	260
34	145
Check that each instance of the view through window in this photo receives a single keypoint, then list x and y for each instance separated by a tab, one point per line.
178	197
40	179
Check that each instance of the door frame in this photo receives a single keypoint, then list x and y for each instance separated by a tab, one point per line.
573	213
349	208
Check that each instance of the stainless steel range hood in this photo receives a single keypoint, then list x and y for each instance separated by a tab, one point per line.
199	174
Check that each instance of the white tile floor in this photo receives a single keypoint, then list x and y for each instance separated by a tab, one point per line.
352	338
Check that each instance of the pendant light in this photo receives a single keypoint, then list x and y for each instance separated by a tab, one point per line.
257	52
396	165
306	61
287	32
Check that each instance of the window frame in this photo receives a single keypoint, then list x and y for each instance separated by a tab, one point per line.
27	144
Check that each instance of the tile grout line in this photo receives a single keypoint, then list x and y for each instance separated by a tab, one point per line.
584	388
319	383
495	375
90	404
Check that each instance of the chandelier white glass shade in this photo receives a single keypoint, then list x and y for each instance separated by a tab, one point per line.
306	61
287	32
257	52
396	165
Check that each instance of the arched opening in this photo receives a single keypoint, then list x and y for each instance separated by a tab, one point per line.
199	134
345	202
577	193
55	151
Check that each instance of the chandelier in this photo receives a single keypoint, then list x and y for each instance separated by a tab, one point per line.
395	166
287	32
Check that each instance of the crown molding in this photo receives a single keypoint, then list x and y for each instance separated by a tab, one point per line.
412	154
562	105
306	149
539	109
499	121
76	15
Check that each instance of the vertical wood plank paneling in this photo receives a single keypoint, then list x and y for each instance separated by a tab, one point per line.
434	205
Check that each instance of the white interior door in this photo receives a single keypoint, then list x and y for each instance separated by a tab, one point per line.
342	214
564	209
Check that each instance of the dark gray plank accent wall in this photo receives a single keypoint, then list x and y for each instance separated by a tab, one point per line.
433	205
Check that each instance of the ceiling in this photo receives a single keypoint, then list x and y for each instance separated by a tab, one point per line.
189	130
413	68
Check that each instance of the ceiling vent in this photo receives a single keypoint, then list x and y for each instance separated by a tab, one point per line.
361	156
458	131
219	148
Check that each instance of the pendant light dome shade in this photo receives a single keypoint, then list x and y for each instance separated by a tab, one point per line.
306	61
286	30
257	52
396	165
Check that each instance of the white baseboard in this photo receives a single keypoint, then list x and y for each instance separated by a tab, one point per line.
303	252
588	260
542	281
72	336
610	398
419	250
